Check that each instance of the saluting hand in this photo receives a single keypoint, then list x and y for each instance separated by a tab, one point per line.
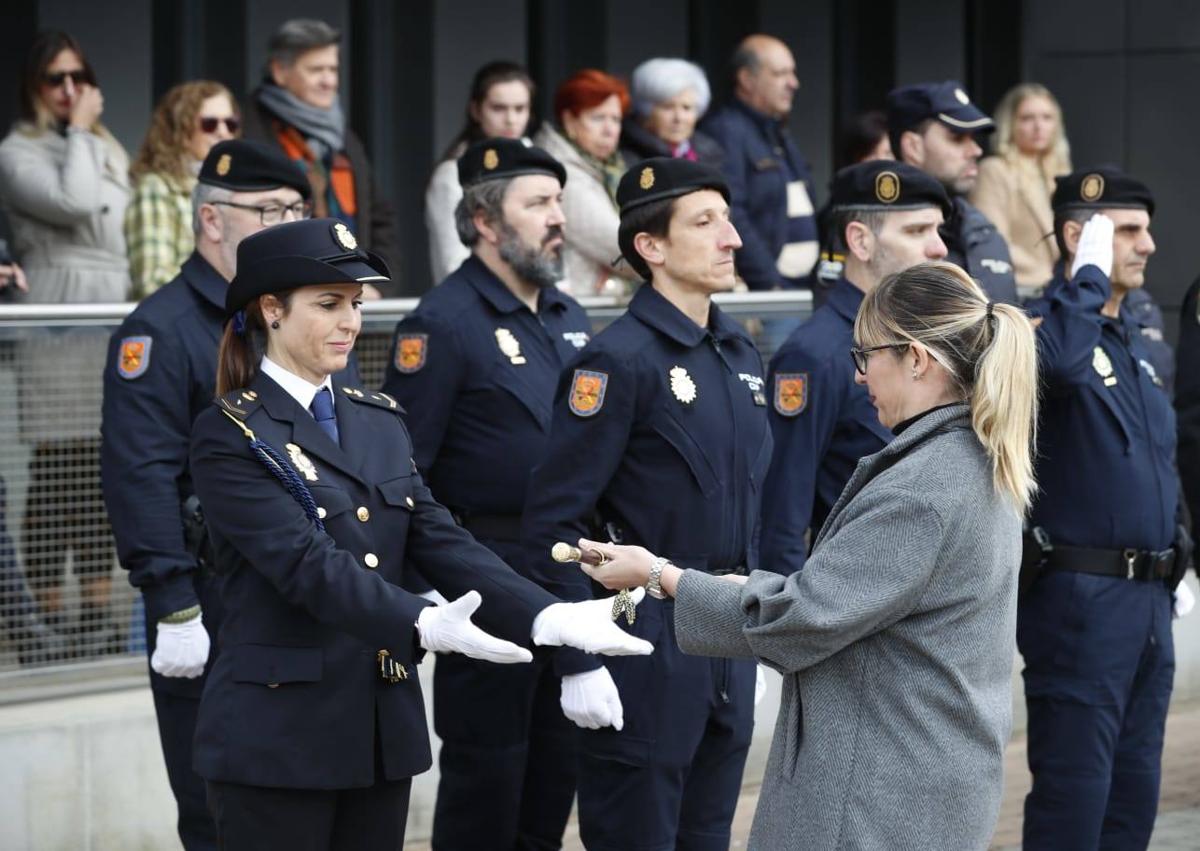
448	629
1095	245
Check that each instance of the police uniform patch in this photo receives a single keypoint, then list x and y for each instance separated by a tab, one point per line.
344	237
587	392
1103	366
410	352
646	181
490	159
791	393
682	385
1092	187
887	186
134	357
224	164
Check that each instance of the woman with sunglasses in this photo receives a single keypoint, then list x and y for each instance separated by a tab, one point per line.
64	185
898	635
188	121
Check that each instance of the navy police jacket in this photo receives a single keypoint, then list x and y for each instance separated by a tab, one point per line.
660	439
974	244
1187	398
295	699
1106	441
760	161
822	422
476	371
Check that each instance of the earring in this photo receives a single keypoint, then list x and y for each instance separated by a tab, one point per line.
275	325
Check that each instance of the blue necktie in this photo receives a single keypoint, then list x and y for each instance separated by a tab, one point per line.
322	411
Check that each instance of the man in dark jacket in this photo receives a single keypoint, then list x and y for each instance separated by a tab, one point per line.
297	108
933	127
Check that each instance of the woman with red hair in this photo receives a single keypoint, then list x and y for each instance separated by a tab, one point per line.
589	108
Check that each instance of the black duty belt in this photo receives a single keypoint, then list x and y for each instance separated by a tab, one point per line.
740	570
1140	565
493	527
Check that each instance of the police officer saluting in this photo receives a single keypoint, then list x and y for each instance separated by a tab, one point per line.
1105	550
312	722
933	126
476	366
161	371
659	438
887	214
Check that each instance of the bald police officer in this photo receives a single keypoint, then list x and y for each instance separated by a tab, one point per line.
659	437
1105	550
887	214
933	126
161	372
476	366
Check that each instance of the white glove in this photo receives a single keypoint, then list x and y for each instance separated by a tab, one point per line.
1095	245
591	700
760	684
181	649
434	596
448	629
588	626
1184	600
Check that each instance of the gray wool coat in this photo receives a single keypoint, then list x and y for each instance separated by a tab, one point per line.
897	639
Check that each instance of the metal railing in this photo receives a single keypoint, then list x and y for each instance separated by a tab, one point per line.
69	621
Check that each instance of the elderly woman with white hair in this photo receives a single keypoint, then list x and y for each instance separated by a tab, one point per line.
669	97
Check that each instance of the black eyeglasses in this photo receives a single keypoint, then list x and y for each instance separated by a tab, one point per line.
273	214
210	125
59	77
859	356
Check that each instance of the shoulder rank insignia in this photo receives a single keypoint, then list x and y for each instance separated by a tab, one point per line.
239	403
1103	366
134	358
682	385
587	392
510	346
302	462
791	393
410	352
373	397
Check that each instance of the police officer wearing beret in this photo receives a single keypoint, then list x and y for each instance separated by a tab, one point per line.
933	126
1105	549
312	723
476	366
887	214
160	373
659	437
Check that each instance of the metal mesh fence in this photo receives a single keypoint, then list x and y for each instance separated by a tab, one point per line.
69	620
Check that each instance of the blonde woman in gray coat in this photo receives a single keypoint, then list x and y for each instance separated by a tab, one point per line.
897	637
64	185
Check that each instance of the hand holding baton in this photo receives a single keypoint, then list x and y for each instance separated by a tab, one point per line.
623	604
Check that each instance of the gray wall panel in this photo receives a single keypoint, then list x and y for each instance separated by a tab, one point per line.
1076	25
930	41
638	30
1158	24
1091	90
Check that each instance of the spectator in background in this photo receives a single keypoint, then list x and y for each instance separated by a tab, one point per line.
589	107
500	106
668	97
770	181
864	138
1014	187
189	119
64	184
297	108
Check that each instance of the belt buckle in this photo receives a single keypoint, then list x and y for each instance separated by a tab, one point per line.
1130	556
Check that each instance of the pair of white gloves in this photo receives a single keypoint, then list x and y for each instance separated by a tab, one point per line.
181	650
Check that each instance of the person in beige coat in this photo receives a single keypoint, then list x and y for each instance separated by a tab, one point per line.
64	186
1014	187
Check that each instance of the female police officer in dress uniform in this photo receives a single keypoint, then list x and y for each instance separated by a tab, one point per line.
312	722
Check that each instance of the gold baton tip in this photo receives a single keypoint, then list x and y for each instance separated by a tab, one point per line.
564	552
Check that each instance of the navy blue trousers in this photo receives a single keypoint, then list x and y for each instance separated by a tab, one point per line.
1099	667
671	778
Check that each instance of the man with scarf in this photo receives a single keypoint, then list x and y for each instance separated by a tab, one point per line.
297	108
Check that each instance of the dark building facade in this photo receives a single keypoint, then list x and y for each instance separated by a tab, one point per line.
1124	71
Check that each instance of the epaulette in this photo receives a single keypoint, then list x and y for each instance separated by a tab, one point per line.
239	403
373	397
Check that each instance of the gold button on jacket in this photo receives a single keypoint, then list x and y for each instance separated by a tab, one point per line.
363	514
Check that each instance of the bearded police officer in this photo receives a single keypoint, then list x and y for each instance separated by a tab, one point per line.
161	372
476	366
1105	549
659	437
933	126
887	215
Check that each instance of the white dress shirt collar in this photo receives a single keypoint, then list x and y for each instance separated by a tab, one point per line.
298	388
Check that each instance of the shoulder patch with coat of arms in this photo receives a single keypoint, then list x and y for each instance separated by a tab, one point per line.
587	392
133	359
791	393
410	352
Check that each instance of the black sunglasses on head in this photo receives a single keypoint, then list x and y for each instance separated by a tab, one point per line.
59	77
210	125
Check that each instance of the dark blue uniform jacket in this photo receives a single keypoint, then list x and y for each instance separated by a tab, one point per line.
819	436
1106	441
974	243
295	698
672	456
